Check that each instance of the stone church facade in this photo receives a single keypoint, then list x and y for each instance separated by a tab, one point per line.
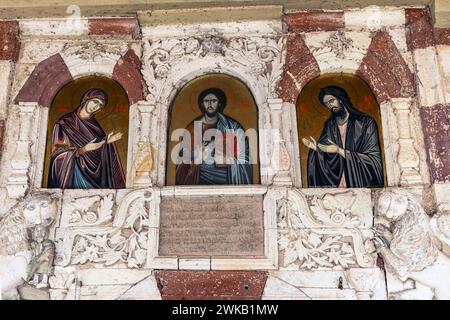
292	242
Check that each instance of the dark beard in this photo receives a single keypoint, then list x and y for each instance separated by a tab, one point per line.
211	114
340	113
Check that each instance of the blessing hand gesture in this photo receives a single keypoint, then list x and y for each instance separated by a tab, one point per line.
331	148
91	146
113	137
311	144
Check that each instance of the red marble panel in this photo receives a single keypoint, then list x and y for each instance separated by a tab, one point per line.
436	127
47	78
2	131
211	285
115	26
442	36
314	21
419	31
300	68
385	70
9	40
127	73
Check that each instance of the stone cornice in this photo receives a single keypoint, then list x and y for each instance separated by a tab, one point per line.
61	8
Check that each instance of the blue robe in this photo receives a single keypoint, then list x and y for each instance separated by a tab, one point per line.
238	169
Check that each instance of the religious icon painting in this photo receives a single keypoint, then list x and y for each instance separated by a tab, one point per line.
87	136
340	137
213	134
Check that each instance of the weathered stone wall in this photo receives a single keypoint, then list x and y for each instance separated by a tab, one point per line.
313	243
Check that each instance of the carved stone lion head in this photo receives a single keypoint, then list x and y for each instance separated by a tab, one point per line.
40	209
394	204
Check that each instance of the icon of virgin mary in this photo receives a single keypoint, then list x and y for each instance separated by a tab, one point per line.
83	156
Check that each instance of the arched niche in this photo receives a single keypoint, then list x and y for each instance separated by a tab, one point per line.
312	115
240	107
113	117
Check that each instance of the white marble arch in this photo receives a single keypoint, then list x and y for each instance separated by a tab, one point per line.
404	149
23	159
25	167
184	68
165	118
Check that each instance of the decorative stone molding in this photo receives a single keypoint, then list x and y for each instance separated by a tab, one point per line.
122	240
408	157
169	63
404	155
258	57
92	57
289	133
20	163
142	141
338	51
321	232
87	208
281	162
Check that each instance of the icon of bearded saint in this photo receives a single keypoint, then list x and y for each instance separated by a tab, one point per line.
236	169
347	154
83	156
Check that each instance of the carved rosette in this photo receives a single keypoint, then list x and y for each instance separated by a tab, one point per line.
164	60
320	232
123	240
92	57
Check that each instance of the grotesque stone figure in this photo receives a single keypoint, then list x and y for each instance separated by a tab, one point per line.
409	246
36	213
43	253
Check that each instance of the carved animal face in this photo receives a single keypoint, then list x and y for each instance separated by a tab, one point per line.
39	233
392	206
39	210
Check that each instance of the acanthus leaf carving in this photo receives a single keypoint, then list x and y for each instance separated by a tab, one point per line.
83	211
315	250
262	58
122	241
93	50
320	232
335	209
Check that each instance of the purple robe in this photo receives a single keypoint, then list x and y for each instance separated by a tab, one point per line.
69	169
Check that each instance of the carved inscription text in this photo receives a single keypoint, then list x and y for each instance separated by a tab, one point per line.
211	226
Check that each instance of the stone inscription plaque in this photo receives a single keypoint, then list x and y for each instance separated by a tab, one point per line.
211	226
